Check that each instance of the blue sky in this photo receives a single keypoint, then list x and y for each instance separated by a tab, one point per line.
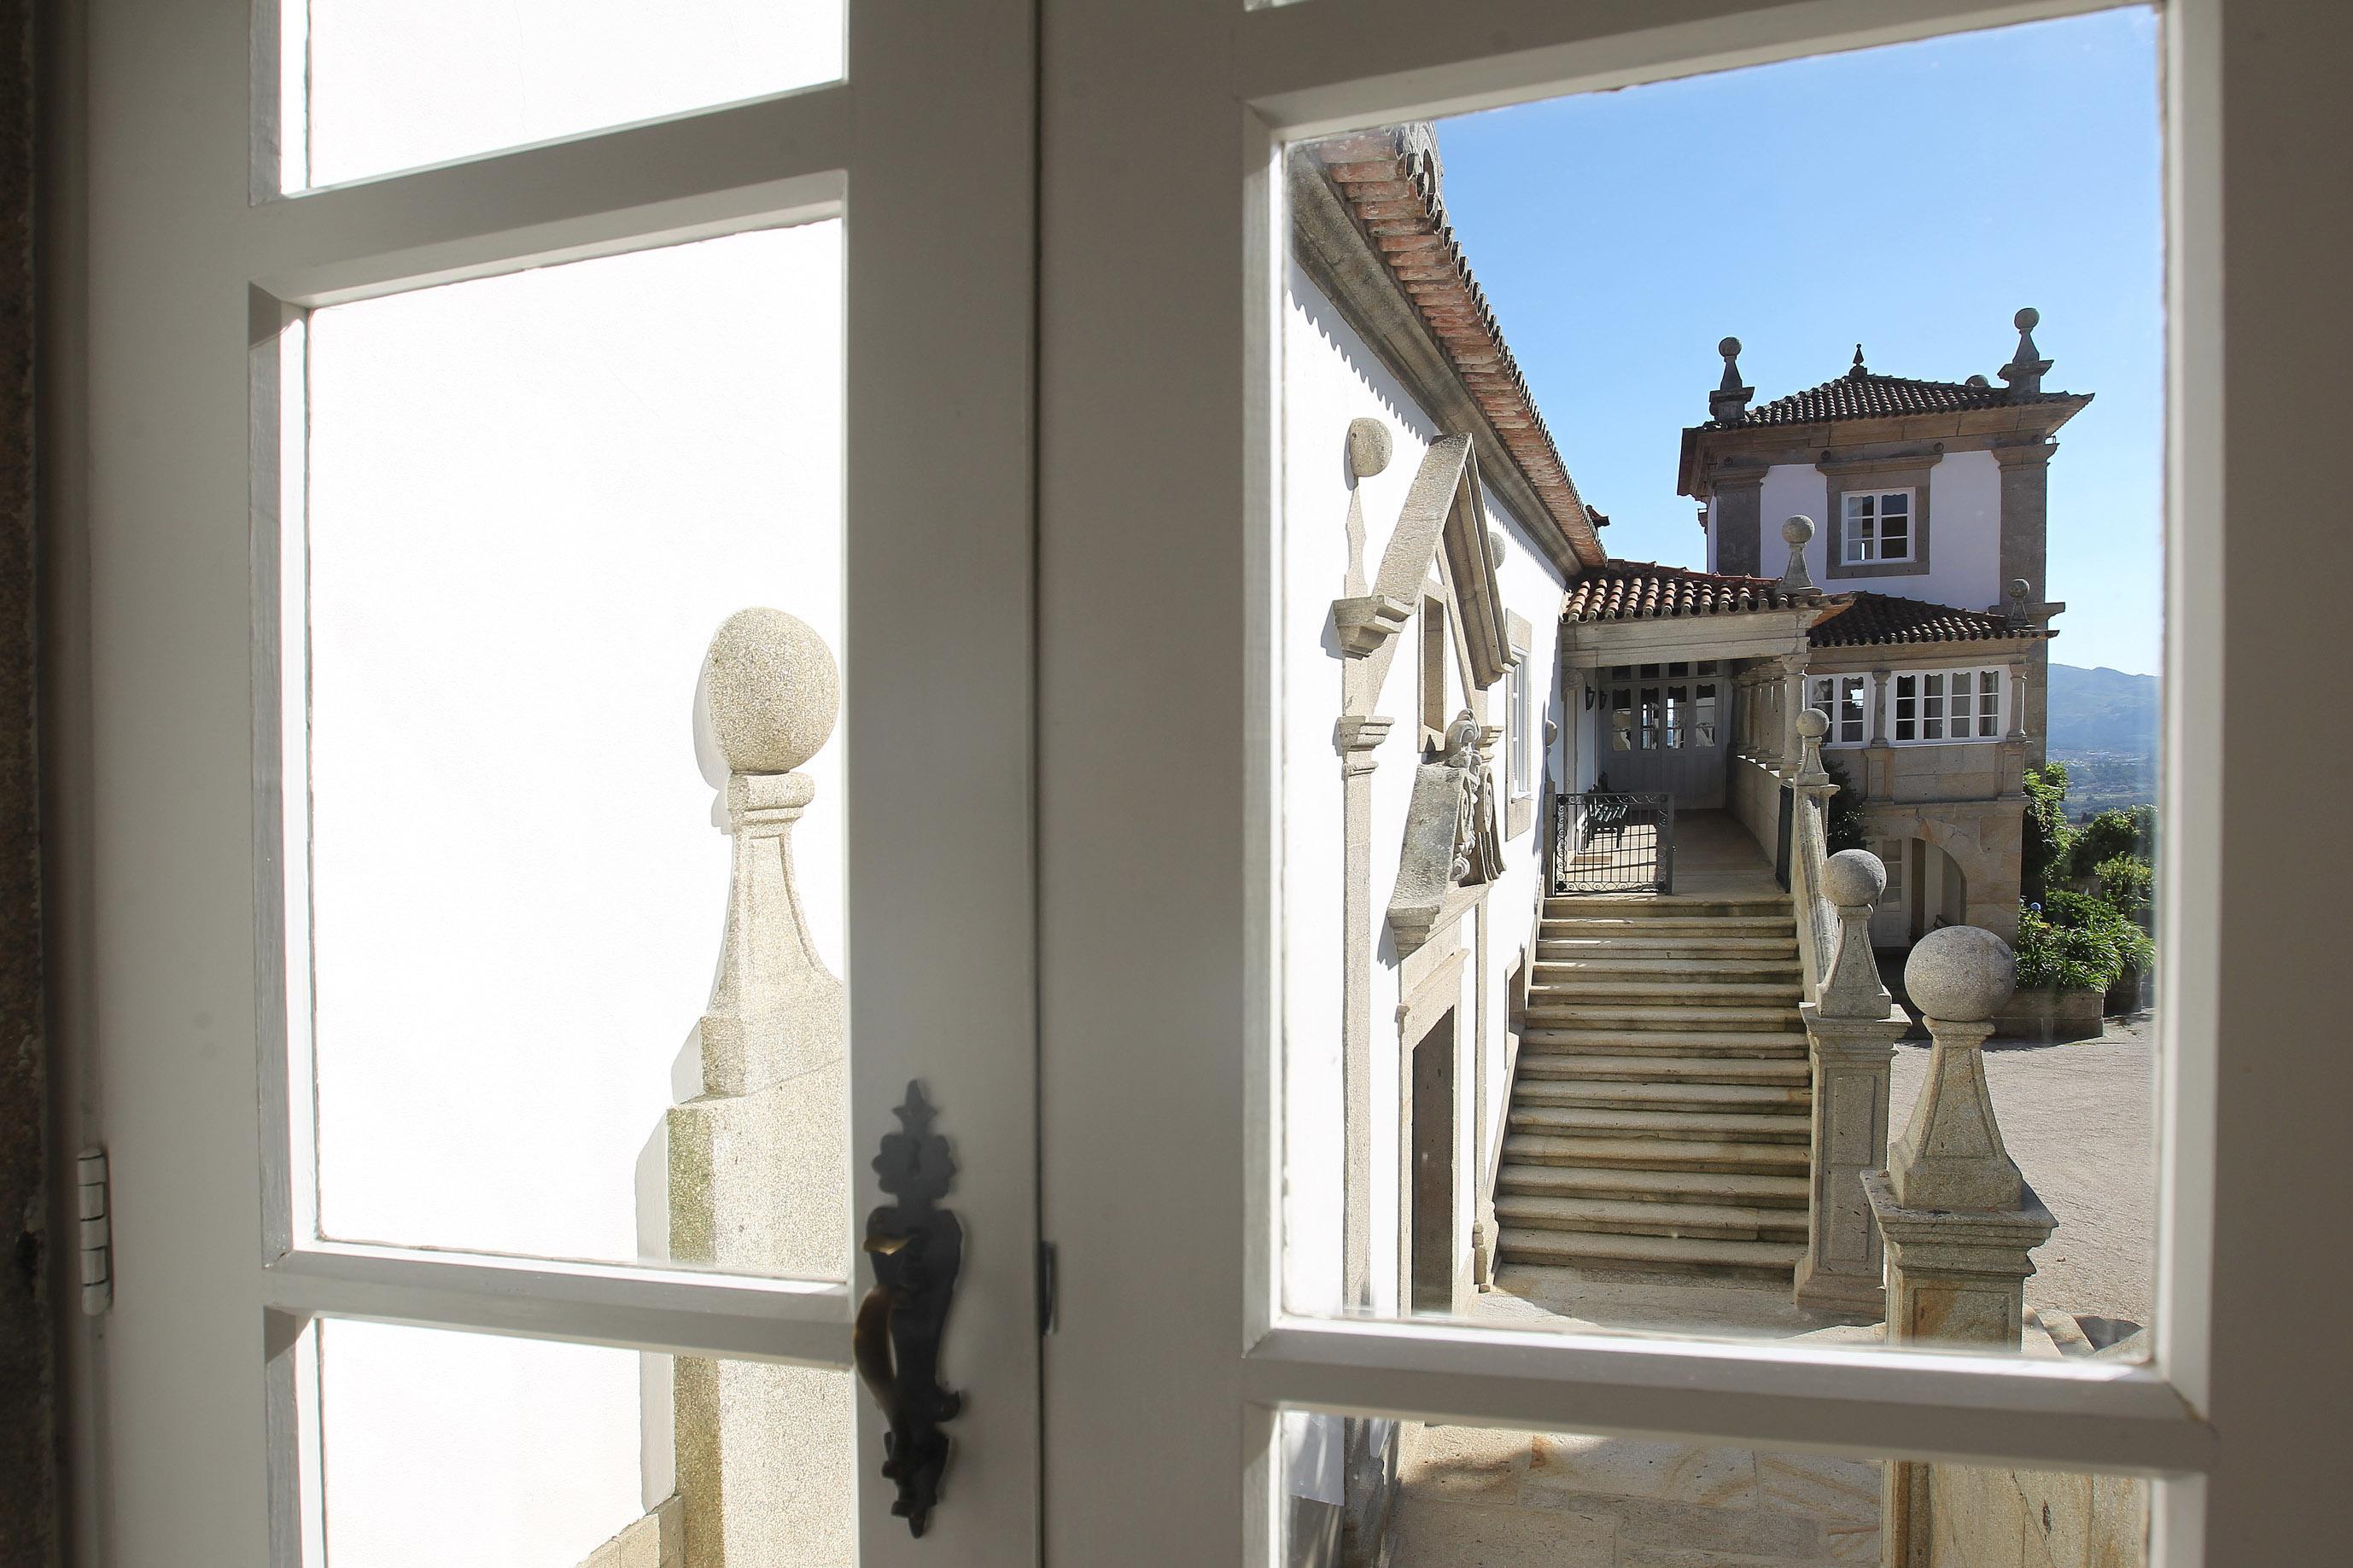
1910	198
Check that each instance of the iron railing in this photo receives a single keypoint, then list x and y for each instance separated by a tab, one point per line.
1604	843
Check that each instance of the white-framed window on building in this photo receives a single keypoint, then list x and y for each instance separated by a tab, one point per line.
1521	742
1876	527
1846	699
1935	706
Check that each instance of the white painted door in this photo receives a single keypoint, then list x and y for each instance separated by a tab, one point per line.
451	376
1162	892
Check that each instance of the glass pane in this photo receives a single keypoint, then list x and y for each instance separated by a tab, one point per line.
475	1451
1422	1495
394	86
533	499
1538	1096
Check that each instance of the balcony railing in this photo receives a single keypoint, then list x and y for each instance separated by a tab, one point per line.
1605	843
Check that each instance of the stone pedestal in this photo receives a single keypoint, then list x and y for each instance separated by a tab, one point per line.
756	1156
1850	1035
1960	1222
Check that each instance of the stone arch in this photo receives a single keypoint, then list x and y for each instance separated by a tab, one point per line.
1982	845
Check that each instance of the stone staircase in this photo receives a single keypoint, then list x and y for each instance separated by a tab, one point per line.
1661	1110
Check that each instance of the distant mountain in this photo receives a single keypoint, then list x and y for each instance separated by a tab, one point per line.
2102	725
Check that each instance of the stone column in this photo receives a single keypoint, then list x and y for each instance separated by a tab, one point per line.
1958	1218
1789	701
1850	1035
1358	740
757	1157
1879	757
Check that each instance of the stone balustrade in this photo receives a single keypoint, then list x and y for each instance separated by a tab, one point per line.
1958	1218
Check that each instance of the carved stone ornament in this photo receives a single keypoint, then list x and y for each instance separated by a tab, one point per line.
1452	848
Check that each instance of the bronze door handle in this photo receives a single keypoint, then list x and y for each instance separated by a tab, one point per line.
916	1250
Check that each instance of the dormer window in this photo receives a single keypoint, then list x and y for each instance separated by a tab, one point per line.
1877	527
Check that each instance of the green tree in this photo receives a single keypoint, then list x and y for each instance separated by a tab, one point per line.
2047	841
2128	885
2130	831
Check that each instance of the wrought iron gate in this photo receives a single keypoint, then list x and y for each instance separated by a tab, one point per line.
1613	843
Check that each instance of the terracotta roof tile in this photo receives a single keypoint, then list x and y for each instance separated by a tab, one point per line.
1874	619
1865	394
1390	181
1641	590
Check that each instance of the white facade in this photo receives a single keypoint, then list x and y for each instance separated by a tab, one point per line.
1332	377
1963	511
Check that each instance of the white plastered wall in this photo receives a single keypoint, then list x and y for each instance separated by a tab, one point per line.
1330	378
1964	532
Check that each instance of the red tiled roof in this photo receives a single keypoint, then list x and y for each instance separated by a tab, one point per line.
1871	619
1390	180
1861	394
1642	590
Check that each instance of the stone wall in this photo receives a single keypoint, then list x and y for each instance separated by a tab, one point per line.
2035	1519
1753	791
27	1458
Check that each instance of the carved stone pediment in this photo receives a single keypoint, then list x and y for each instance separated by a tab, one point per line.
1452	850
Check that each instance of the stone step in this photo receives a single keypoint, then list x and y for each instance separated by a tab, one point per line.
1705	1186
1596	1065
1620	1154
1666	906
1537	1040
1632	1094
1732	967
1552	949
1669	926
1732	988
1723	1222
1572	1248
1729	1126
1678	1015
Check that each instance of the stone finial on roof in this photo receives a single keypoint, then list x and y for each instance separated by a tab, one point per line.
1729	401
2025	370
1857	369
1795	578
2021	591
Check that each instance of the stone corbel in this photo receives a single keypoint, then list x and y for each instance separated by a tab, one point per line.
1368	621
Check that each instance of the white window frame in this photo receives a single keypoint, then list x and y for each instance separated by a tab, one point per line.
173	302
1943	677
1826	692
1520	714
1861	540
1198	1271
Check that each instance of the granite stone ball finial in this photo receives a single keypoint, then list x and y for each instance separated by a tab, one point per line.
1729	348
1813	724
2020	588
1370	446
1495	546
1961	974
773	691
1796	530
1852	878
2027	319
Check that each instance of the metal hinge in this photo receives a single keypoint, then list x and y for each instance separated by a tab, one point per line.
1045	1284
97	1238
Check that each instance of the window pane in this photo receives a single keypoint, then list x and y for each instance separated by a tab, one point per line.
533	499
1895	504
398	86
479	1451
1467	1496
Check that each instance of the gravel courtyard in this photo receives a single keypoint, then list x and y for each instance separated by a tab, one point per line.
2076	1118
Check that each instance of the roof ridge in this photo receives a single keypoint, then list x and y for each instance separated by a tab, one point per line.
1390	180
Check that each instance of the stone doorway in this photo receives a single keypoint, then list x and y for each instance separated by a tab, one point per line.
1429	1185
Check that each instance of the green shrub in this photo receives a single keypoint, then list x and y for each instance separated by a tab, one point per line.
2129	886
2045	841
2128	832
2065	958
1843	818
2076	941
